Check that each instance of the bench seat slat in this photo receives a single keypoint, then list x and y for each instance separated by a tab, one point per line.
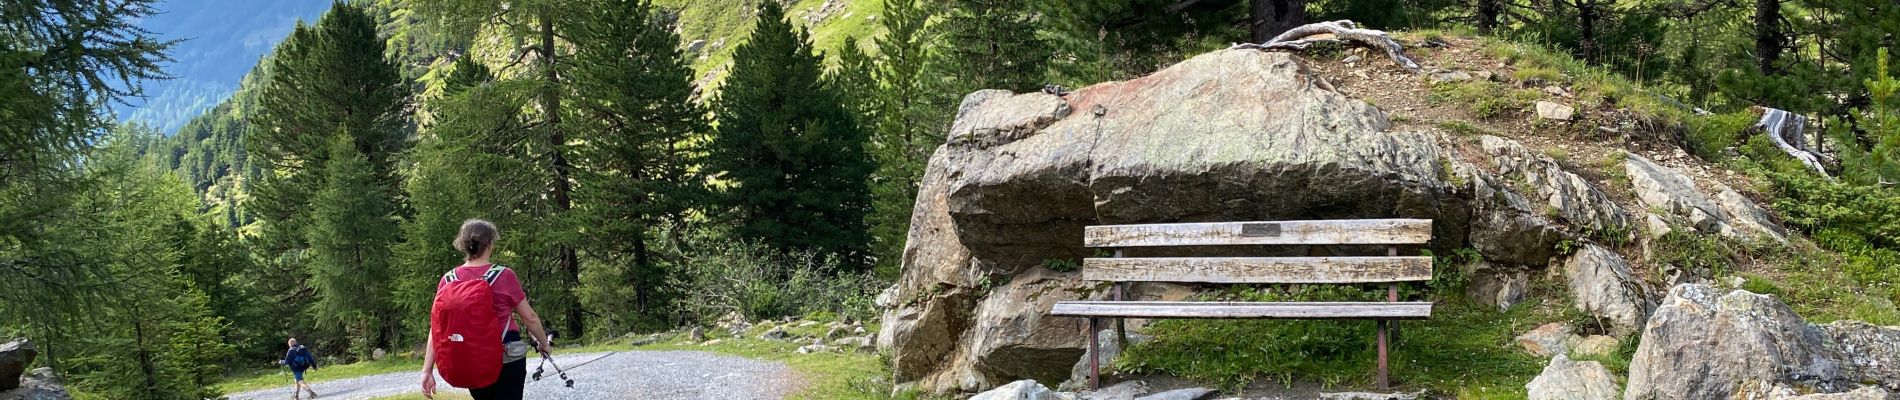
1280	310
1259	269
1347	231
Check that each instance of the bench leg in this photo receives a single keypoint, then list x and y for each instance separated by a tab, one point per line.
1095	367
1384	384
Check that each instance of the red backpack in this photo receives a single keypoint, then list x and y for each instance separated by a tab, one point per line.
466	332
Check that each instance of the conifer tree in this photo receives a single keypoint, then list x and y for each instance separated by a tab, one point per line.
790	151
991	44
638	117
350	238
908	122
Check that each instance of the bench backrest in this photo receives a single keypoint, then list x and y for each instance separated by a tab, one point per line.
1389	268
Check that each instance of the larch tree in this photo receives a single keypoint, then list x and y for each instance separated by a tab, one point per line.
542	27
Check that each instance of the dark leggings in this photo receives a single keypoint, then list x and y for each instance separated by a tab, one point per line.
513	376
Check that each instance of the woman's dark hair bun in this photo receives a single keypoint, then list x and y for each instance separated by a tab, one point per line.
476	236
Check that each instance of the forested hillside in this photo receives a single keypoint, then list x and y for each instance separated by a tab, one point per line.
664	164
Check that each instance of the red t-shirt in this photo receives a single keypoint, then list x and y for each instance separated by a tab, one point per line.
507	290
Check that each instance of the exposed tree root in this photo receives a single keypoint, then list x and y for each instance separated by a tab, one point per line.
1342	30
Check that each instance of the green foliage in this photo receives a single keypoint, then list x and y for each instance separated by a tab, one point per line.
1875	160
990	44
350	237
636	160
1710	136
791	153
907	124
761	282
1061	264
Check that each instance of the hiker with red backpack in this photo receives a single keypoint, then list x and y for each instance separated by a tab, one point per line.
473	340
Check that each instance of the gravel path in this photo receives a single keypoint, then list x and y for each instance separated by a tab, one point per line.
624	375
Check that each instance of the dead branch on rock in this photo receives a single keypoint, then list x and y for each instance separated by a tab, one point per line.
1296	39
1775	122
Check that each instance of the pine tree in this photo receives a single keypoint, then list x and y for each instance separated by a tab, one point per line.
634	170
790	152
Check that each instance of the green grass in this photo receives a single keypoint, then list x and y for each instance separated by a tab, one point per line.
1461	128
1464	349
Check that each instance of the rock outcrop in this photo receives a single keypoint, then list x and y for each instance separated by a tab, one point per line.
1564	379
15	356
1704	344
1662	188
40	384
1601	286
1231	135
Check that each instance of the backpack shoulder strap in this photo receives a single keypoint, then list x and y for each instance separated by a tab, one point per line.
450	276
493	273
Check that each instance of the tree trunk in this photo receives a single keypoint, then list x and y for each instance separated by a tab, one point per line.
1767	35
570	263
1271	17
1587	30
1488	14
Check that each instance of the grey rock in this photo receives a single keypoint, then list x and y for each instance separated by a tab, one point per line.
1120	391
1022	175
1182	394
378	354
1352	59
1554	111
1020	390
1703	344
1596	346
1450	76
1507	227
1732	215
40	384
1548	339
697	334
857	343
1601	285
1111	348
15	356
1564	379
695	45
816	348
1744	216
1863	393
1656	226
1499	285
1371	396
776	333
1573	200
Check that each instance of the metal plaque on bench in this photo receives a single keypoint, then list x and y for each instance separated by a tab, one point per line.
1260	230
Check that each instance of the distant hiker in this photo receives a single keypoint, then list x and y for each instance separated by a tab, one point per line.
473	339
298	358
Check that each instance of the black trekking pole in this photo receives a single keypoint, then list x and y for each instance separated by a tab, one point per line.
547	359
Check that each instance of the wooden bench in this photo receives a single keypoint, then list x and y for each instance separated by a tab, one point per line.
1390	268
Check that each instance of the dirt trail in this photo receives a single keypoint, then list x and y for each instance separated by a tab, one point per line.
624	375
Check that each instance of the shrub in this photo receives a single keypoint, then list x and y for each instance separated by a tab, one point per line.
764	283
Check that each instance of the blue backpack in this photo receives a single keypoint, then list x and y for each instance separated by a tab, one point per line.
299	358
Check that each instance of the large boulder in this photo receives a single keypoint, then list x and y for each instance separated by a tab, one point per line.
1022	390
1704	344
1564	379
1227	136
1601	286
15	356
